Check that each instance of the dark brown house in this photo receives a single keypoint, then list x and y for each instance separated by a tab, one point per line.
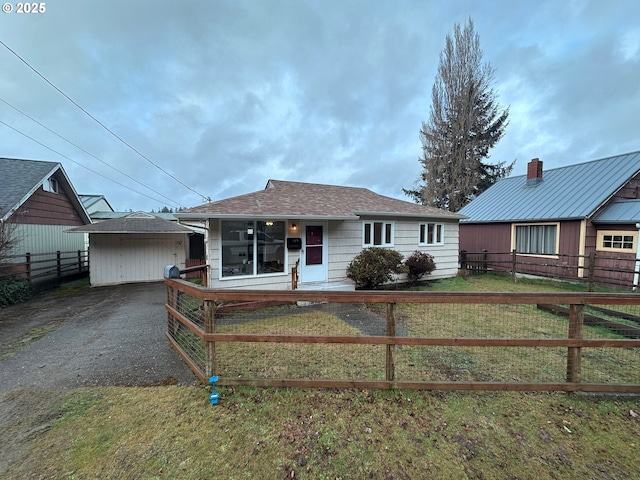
557	218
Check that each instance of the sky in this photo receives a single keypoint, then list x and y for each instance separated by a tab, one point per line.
186	101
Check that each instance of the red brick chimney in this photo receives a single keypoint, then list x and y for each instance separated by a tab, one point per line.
534	172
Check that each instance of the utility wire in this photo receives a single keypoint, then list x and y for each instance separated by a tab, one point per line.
205	198
77	163
88	153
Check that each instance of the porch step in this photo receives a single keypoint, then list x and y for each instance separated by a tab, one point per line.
343	285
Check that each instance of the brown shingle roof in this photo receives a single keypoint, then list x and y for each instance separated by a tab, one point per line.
298	200
134	223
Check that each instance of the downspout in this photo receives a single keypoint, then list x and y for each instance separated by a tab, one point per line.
636	273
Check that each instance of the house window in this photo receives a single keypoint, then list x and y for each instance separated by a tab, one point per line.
50	185
617	241
537	239
431	234
377	234
252	247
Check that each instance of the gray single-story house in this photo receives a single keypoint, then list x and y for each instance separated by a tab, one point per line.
254	240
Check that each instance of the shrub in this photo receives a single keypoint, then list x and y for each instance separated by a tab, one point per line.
14	291
374	266
418	265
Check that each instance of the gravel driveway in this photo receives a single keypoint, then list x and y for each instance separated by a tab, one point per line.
89	337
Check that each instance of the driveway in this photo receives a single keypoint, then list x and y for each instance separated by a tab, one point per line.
89	337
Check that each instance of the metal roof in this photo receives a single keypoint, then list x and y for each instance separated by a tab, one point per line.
572	192
623	211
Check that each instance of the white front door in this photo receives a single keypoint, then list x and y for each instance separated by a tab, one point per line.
313	261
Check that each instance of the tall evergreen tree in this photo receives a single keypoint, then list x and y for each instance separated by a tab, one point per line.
465	122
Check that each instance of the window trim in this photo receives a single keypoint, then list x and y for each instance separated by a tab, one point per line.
254	274
536	224
387	229
51	185
423	232
624	233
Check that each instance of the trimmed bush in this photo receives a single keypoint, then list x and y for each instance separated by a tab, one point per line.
418	265
14	291
374	266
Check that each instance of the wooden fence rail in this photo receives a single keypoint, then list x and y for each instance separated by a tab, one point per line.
44	267
595	269
326	339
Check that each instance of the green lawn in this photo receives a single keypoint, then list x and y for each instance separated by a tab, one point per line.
262	433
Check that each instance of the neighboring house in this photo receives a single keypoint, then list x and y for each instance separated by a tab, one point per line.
95	203
134	248
254	240
569	211
40	200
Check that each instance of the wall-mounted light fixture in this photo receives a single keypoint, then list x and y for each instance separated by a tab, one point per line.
269	224
294	226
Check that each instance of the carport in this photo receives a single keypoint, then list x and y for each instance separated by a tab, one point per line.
134	248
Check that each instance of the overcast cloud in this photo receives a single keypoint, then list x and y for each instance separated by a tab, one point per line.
225	95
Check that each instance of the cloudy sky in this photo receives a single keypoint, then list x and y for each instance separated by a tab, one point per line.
224	95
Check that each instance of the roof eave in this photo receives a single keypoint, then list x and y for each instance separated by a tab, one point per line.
248	216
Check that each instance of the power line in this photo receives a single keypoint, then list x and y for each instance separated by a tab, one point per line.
102	124
85	151
77	163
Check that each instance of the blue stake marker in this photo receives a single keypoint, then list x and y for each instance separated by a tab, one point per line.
213	397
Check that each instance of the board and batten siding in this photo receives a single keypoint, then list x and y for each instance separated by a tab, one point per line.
129	258
35	239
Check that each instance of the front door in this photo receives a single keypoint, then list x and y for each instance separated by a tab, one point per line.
313	259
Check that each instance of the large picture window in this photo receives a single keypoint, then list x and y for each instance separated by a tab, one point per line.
431	234
377	234
252	247
537	239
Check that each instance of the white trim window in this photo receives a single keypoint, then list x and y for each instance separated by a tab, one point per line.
617	241
377	234
536	239
51	185
431	234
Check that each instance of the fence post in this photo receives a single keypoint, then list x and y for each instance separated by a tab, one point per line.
391	349
210	347
58	264
484	261
592	268
513	264
79	261
28	265
463	259
574	354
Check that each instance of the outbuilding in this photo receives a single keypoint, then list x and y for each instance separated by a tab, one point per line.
134	248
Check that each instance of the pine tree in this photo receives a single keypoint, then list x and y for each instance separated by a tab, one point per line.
465	122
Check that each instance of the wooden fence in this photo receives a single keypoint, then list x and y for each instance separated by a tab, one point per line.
41	268
411	340
617	271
